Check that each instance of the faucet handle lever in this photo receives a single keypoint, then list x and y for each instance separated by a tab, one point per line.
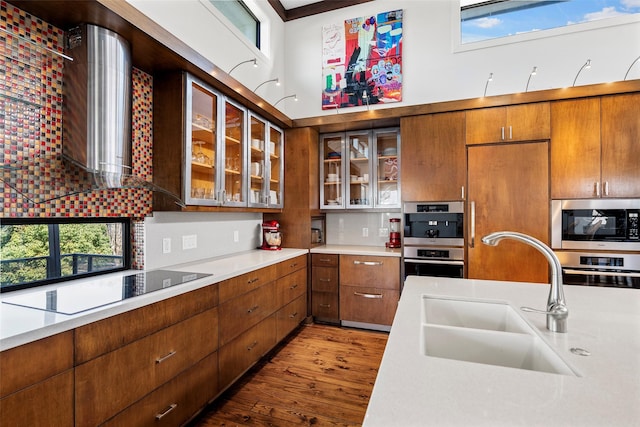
534	310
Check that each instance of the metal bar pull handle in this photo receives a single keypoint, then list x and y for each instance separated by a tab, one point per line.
325	305
597	185
606	188
165	357
167	411
252	345
295	285
372	263
324	280
293	315
365	295
254	280
510	132
252	309
472	231
502	132
462	192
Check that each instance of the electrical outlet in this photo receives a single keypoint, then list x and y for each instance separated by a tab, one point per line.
236	236
365	232
166	245
383	232
189	242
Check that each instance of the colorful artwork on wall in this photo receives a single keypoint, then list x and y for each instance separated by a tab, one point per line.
362	61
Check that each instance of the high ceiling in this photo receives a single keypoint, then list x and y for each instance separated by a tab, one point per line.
294	9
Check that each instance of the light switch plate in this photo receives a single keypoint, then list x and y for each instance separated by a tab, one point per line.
166	245
189	242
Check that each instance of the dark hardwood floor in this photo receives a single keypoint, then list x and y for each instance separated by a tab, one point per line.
321	376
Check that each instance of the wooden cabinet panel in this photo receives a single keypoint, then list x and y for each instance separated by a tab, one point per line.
31	363
509	185
246	282
175	402
368	305
290	316
108	384
106	335
239	314
575	148
325	306
289	266
291	287
47	403
379	271
621	145
325	279
240	354
324	260
526	122
433	157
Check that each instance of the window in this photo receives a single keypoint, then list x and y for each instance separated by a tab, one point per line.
34	253
491	19
241	16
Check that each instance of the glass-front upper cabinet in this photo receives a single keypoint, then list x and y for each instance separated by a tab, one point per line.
201	149
233	180
332	148
276	167
358	181
258	183
387	185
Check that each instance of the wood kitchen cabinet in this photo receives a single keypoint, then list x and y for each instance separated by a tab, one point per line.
38	391
369	290
508	190
434	165
325	284
525	122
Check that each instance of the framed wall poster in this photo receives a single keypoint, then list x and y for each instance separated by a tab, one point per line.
362	61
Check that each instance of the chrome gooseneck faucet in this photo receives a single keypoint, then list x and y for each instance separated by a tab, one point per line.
557	311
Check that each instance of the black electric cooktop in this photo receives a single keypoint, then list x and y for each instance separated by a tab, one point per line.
97	292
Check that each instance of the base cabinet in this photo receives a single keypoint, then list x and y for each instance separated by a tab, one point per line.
325	283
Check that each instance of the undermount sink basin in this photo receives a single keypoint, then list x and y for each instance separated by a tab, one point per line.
487	332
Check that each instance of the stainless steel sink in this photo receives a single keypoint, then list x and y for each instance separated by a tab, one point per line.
487	332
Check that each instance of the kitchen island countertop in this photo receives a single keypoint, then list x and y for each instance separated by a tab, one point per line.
416	390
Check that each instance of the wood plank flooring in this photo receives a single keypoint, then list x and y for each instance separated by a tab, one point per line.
321	375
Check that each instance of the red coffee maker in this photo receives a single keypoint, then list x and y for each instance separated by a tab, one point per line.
394	233
271	236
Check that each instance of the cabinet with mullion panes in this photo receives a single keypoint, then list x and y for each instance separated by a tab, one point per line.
234	191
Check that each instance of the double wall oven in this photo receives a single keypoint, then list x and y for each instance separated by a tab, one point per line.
433	239
597	241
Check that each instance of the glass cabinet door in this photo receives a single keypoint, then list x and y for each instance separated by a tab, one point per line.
201	149
358	180
276	167
331	171
257	173
234	177
387	144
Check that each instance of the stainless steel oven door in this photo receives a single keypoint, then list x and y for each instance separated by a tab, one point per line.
598	277
620	270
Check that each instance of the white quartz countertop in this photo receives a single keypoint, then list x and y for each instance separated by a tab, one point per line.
356	250
20	325
417	390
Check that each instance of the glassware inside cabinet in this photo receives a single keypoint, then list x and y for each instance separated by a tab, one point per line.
202	150
332	151
388	183
234	154
258	183
359	185
276	166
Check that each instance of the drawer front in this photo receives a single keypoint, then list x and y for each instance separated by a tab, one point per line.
291	265
324	260
239	314
246	282
368	271
106	335
112	382
19	368
290	316
324	279
241	353
175	402
47	403
368	305
291	287
324	306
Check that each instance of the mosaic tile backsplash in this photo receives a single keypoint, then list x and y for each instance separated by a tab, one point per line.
31	109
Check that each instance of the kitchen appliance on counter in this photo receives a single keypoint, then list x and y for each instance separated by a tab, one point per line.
620	270
394	233
433	240
271	236
596	224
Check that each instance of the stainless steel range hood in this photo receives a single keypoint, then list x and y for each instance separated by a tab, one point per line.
96	140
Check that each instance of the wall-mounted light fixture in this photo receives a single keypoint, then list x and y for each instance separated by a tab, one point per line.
268	81
631	66
489	79
586	66
533	73
295	98
254	60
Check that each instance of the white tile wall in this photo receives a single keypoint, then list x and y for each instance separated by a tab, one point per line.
345	228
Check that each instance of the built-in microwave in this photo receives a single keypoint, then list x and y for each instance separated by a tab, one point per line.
608	224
